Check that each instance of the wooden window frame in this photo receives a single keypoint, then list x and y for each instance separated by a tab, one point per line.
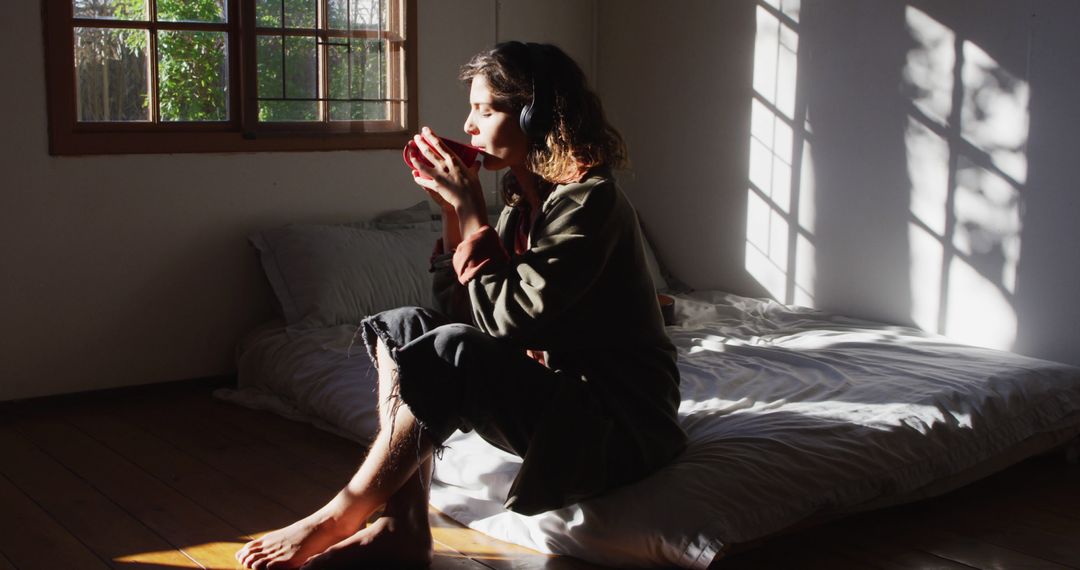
242	132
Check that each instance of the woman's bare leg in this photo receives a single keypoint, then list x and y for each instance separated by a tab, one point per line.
390	469
400	537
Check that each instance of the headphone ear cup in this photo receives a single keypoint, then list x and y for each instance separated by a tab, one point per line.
525	120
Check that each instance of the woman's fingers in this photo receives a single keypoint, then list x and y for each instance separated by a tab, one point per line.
438	154
426	182
420	165
436	143
431	147
446	179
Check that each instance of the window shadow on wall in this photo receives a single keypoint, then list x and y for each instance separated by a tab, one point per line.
966	144
826	210
888	163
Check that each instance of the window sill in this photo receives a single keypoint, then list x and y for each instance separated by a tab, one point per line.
98	143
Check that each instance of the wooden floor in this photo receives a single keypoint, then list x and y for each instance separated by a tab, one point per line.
166	477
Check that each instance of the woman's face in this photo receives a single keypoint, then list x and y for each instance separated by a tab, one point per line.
494	128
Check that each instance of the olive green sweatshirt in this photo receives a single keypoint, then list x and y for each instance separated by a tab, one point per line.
581	293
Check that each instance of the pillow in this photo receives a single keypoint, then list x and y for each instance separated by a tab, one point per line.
326	275
426	213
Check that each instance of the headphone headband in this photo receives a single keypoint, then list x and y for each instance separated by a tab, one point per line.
537	115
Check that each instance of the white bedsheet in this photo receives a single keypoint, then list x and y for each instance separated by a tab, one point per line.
792	414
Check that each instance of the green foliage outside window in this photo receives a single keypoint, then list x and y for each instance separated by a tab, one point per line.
193	71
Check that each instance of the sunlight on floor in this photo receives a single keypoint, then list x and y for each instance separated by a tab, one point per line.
967	167
220	552
451	541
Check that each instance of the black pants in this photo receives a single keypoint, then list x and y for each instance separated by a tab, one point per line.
454	376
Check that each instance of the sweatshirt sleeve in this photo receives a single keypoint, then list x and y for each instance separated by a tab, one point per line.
476	251
451	297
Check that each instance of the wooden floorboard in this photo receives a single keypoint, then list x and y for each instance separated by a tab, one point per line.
98	522
296	485
227	497
196	532
167	477
30	538
6	564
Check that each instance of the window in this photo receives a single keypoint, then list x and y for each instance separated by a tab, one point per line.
129	76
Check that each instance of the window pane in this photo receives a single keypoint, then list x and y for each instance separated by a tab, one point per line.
357	70
301	72
296	78
193	76
268	13
270	111
366	111
370	60
191	10
299	13
357	14
110	9
111	75
268	64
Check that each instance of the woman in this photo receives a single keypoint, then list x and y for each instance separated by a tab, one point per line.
549	341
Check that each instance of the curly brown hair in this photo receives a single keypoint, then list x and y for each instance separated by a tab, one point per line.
579	137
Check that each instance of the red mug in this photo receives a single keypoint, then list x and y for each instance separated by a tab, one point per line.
467	153
667	308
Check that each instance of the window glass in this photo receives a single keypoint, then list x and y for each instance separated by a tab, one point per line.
111	75
193	76
110	9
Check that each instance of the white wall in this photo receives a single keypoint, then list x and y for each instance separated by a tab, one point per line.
124	270
968	230
674	79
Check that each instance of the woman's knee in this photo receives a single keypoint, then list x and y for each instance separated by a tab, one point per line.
397	327
456	342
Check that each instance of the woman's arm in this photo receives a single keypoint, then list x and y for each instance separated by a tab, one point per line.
458	192
451	229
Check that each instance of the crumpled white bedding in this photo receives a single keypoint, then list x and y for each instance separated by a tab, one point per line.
792	415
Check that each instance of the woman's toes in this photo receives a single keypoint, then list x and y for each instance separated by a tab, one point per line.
250	548
252	558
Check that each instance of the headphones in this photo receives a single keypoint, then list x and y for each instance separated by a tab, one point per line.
536	116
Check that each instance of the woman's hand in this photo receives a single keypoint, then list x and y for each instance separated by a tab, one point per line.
455	187
449	182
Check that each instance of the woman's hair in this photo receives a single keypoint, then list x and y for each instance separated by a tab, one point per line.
579	137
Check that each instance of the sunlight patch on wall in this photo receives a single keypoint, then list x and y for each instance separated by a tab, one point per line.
928	170
779	237
967	167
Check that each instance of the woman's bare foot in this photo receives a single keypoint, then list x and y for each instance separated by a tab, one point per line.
291	546
389	542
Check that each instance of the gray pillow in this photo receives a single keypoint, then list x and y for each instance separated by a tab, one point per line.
424	213
325	275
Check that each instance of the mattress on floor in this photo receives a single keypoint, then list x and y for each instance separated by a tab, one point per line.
793	415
